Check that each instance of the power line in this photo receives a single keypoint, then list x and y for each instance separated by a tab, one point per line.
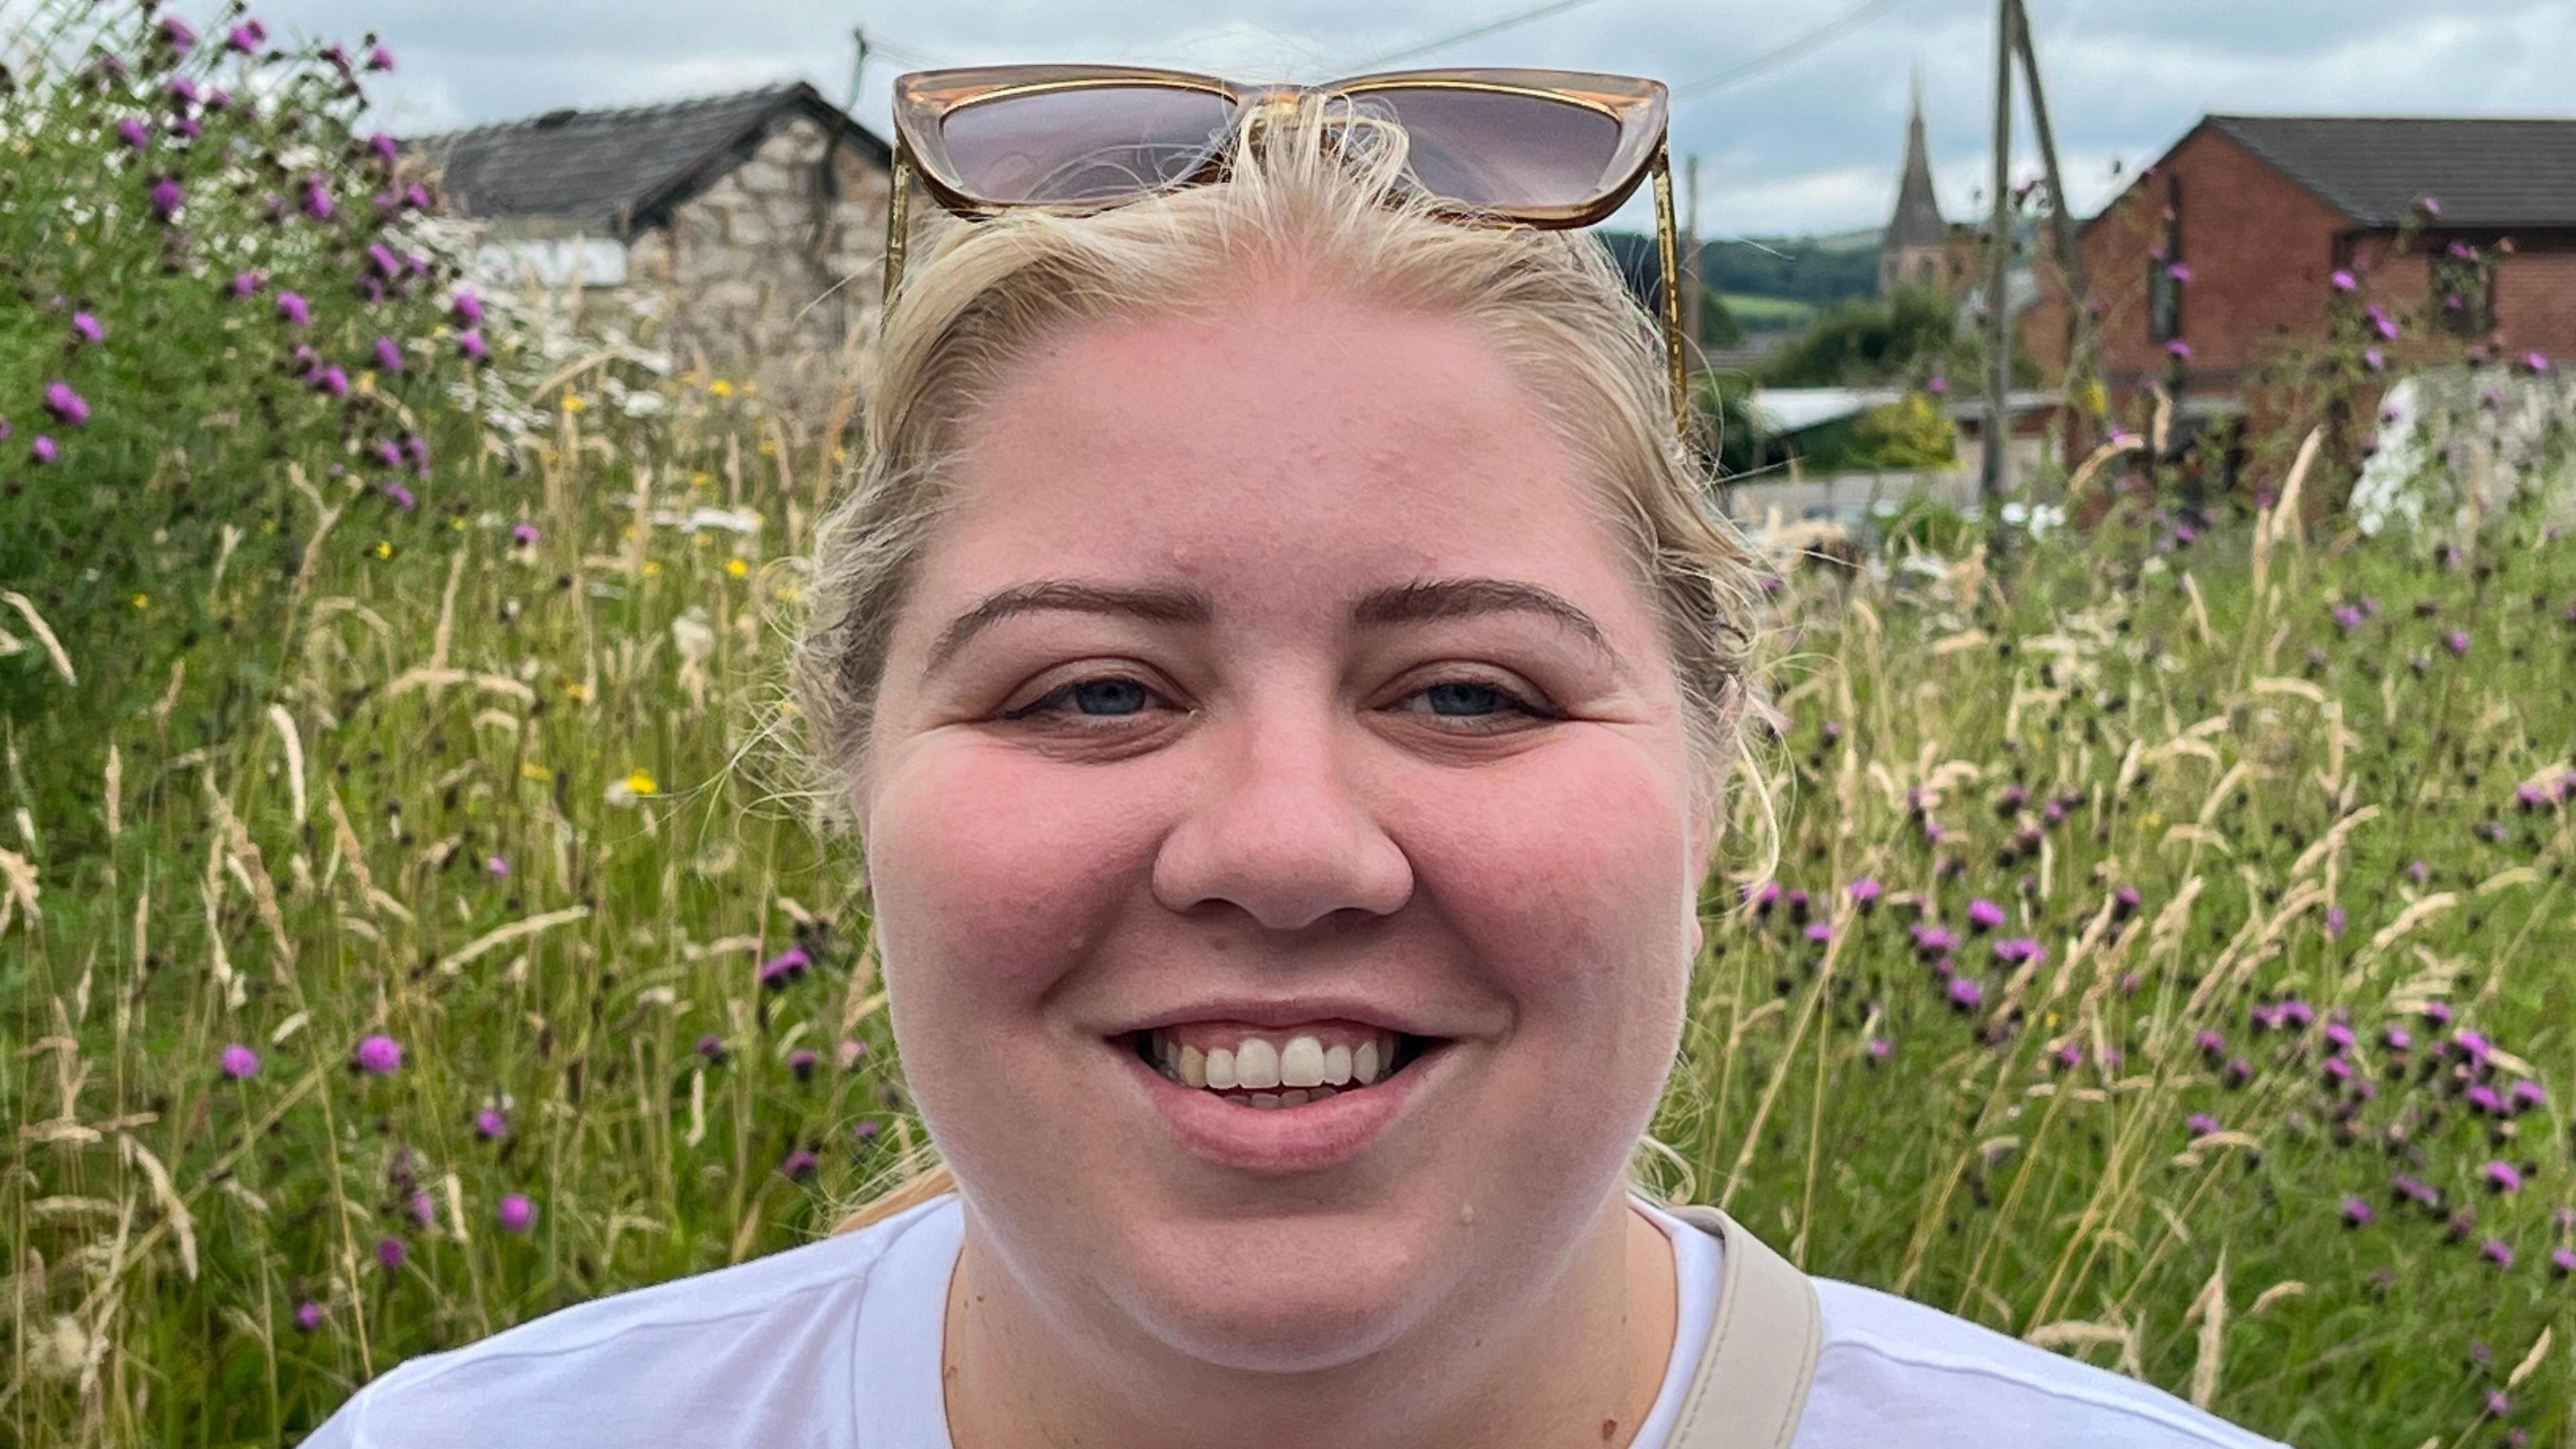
1795	49
1490	27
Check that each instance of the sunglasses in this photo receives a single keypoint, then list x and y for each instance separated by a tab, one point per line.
1551	149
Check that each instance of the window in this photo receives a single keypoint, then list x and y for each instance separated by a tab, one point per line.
2166	272
2463	296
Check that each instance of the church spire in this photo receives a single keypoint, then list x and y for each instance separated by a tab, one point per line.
1918	221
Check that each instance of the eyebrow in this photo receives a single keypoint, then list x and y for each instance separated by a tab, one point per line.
1466	598
1157	605
1419	602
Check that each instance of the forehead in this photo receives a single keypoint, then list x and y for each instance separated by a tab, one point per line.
1276	433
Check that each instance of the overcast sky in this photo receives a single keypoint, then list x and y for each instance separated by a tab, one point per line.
1809	143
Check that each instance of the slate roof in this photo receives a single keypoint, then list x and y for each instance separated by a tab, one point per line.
2485	173
615	172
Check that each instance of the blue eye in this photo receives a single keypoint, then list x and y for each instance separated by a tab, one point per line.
1465	697
1111	696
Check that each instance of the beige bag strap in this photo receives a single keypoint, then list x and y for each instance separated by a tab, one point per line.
1751	1385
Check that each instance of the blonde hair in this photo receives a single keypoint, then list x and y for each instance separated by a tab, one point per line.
1322	191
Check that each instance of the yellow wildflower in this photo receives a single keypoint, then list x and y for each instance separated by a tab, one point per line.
701	480
720	388
577	691
384	548
652	567
531	770
143	601
572	402
736	567
639	781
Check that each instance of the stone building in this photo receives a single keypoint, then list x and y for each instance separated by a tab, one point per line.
1916	249
757	219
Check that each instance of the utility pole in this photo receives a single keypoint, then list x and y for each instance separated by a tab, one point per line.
2070	261
1997	479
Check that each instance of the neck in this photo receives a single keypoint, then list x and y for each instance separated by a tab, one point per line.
1580	1370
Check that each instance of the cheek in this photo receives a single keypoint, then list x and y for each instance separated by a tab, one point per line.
1569	883
990	870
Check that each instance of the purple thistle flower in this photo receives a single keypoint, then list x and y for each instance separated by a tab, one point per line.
134	133
2528	1094
798	1164
416	196
2179	350
1965	993
379	1054
2238	1071
785	967
515	1212
382	258
401	496
2295	1012
1933	940
167	197
424	1209
2380	322
2485	1099
2530	797
417	448
338	55
2356	1213
2472	1045
2347	617
1820	932
188	126
2562	1262
293	307
2410	1188
499	866
489	1124
66	405
1864	892
711	1047
2436	1012
2374	359
2536	361
801	1061
2210	1043
1880	1048
2125	902
238	1062
2396	1038
469	344
1984	915
2432	206
2201	1124
867	1130
176	32
2338	1071
391	1253
332	380
380	58
2179	271
389	354
2497	1251
86	328
2502	1177
390	451
317	200
468	309
2015	950
308	1315
245	37
524	534
2339	1036
387	149
43	450
2458	642
246	283
2336	920
2345	281
183	91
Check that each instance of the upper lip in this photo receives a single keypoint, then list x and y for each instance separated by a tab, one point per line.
1286	1011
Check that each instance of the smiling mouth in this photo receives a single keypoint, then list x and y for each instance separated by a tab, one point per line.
1267	1070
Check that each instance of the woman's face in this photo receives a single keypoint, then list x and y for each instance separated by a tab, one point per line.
1277	687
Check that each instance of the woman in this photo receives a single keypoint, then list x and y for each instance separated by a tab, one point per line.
1284	679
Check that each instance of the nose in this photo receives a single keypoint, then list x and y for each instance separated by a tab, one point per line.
1278	831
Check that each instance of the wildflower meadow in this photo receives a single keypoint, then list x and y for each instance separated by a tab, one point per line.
2154	940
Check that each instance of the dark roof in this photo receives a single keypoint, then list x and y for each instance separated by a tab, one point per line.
621	170
2373	168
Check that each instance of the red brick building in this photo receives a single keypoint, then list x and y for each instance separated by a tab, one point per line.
2232	243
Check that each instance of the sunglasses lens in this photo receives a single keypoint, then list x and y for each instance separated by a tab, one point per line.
1083	143
1500	148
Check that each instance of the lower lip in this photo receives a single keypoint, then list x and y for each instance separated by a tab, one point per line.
1281	1139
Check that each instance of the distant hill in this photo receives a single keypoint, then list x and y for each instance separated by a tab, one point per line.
1815	270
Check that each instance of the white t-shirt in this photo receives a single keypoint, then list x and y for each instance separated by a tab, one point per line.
835	1345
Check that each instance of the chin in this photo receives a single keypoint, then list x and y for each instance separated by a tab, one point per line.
1287	1293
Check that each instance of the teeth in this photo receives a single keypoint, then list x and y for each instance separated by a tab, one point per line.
1298	1070
1256	1063
1301	1063
1265	1099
